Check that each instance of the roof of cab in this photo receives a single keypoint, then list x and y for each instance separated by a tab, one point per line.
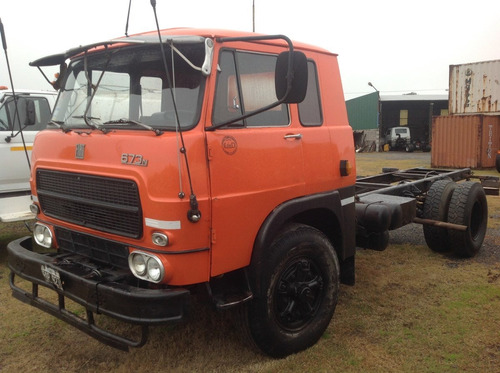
182	34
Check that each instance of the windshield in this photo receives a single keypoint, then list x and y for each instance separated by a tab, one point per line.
129	84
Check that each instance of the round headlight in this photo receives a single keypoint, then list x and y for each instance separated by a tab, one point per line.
146	266
139	264
42	235
155	269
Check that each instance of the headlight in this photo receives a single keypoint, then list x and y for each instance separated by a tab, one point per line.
146	266
139	264
42	235
155	269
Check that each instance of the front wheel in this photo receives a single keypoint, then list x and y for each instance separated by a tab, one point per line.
296	291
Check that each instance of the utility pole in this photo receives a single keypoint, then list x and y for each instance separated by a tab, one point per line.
253	15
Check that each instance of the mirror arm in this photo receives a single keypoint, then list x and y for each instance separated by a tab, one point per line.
289	77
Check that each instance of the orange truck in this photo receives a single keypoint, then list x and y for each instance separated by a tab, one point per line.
213	162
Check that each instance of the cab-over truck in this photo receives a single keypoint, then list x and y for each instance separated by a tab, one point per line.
219	162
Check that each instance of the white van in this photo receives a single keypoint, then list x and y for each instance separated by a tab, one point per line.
34	110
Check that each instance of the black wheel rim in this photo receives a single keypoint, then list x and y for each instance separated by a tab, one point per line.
298	294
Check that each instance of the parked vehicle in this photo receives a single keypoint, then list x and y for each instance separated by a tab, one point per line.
228	169
399	138
17	132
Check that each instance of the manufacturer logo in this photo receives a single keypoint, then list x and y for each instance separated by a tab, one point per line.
229	145
80	151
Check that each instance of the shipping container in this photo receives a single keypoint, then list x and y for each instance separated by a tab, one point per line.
475	88
465	141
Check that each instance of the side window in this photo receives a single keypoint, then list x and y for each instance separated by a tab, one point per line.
42	111
245	83
4	120
310	113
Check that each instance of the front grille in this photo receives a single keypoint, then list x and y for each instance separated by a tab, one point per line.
103	251
106	204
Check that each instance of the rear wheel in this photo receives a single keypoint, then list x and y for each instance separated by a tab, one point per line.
497	163
296	291
468	207
436	207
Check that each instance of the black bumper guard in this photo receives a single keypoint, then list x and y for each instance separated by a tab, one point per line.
98	293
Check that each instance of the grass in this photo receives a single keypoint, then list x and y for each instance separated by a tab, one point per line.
410	310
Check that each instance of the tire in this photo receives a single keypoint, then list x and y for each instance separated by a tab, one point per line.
497	163
436	207
468	207
409	148
295	292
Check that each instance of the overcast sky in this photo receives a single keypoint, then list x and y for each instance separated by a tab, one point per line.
400	46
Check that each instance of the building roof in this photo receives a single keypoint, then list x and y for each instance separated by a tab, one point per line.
410	97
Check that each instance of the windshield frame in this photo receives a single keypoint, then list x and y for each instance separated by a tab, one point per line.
133	59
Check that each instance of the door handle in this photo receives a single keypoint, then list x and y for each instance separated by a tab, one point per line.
296	136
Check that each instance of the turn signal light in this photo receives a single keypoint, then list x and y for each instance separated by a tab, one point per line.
345	167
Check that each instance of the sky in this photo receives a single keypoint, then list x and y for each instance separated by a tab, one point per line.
399	46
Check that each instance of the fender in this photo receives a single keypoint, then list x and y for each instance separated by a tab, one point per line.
331	212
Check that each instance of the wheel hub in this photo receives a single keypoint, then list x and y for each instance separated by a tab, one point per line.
299	293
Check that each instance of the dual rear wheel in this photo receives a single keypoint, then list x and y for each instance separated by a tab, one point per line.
462	204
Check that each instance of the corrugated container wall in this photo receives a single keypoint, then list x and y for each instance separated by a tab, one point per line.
475	88
465	141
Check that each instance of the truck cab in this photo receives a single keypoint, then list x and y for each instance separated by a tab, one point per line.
205	159
33	112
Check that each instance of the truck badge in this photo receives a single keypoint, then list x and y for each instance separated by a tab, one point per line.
229	145
80	151
134	159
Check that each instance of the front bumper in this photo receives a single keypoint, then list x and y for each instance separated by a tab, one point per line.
99	291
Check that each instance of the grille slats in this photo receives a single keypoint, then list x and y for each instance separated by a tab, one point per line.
103	251
106	204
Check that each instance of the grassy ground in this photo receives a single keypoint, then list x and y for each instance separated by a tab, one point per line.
410	310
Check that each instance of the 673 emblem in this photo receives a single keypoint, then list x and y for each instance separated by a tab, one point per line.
134	159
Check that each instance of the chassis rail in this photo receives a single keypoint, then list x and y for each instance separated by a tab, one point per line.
395	198
404	182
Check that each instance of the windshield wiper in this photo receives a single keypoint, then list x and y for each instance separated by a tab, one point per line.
157	131
87	120
60	125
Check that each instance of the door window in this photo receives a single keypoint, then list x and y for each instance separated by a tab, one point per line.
245	83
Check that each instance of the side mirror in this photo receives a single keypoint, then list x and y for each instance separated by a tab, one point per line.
291	77
30	118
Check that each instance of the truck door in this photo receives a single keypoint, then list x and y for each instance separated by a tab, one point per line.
255	164
15	171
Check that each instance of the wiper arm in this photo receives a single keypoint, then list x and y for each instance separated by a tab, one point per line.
130	121
60	125
87	120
